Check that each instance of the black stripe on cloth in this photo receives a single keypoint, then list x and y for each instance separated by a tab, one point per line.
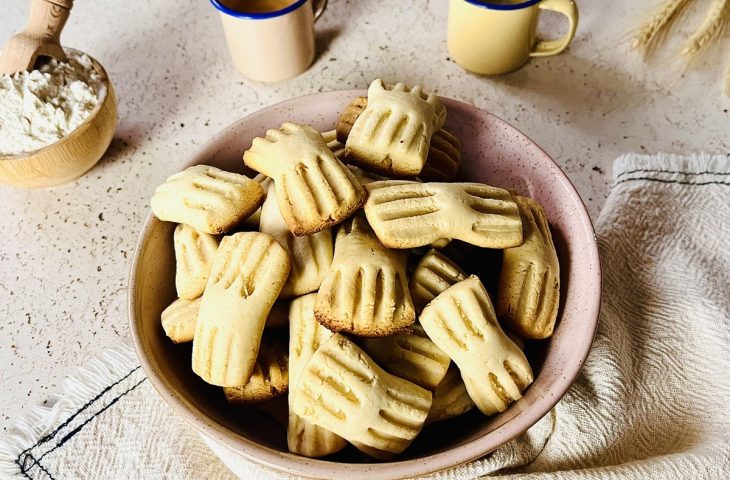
680	182
83	407
674	172
43	469
26	461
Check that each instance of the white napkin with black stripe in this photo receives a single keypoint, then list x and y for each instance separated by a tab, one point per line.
652	400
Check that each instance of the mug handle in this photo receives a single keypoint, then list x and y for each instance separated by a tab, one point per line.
553	47
319	8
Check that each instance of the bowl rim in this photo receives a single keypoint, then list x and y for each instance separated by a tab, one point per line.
317	468
103	98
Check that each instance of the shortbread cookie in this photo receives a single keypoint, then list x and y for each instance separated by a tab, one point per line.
444	152
392	134
432	275
410	214
444	157
306	335
311	255
314	189
333	144
450	398
194	252
412	356
180	318
252	223
208	199
348	117
343	390
249	271
366	290
529	282
461	322
270	377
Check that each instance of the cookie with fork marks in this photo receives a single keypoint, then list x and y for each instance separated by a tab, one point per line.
366	290
344	391
252	222
433	274
407	214
461	322
207	198
348	117
393	133
249	271
444	151
450	399
444	158
311	255
306	335
313	188
529	282
180	318
412	356
194	252
270	377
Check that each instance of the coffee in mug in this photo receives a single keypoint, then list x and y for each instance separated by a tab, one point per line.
257	6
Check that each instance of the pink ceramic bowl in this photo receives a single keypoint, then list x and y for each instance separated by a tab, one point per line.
493	152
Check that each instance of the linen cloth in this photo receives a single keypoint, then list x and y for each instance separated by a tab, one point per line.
652	400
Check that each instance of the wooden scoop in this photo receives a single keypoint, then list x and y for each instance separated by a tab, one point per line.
41	37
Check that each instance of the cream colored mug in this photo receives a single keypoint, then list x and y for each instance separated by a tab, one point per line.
499	36
270	40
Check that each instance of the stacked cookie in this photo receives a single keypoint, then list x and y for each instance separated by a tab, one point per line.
355	240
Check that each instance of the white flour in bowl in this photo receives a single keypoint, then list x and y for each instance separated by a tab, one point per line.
42	106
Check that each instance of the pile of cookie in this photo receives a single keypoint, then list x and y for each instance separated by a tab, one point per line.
346	237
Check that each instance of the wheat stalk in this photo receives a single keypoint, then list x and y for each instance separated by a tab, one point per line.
653	30
711	27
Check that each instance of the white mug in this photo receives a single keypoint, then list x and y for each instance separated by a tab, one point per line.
270	40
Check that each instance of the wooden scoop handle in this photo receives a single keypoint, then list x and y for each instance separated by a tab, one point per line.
67	4
41	37
47	18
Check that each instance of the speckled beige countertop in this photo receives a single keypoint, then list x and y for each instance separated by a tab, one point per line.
65	252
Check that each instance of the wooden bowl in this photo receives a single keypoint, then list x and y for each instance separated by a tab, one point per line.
494	153
71	156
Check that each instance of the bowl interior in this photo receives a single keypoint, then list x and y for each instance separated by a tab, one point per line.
493	153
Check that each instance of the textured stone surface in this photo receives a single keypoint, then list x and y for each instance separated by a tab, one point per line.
65	252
